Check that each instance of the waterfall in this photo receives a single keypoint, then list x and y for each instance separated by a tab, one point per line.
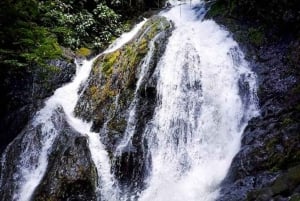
201	112
206	94
33	159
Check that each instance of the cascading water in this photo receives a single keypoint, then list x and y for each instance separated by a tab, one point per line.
206	96
33	161
201	115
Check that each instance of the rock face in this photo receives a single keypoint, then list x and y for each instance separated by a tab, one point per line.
120	98
24	93
71	173
267	166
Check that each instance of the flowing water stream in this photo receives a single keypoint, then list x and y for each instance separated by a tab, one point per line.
202	114
206	96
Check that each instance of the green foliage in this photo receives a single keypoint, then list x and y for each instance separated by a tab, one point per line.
77	26
23	41
32	31
41	45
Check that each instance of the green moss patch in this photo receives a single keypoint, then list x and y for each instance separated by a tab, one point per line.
114	76
83	52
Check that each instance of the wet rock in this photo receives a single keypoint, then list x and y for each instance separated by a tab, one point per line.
271	142
70	174
113	90
284	184
24	93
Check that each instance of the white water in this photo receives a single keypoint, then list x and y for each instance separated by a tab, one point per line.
34	159
201	116
197	124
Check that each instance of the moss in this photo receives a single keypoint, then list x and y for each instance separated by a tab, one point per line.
271	143
276	161
232	5
143	46
293	55
293	175
118	125
280	185
131	56
297	107
97	66
153	30
285	183
256	36
83	52
107	92
94	92
109	61
115	73
68	54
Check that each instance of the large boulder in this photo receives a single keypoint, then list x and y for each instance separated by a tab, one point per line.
70	173
120	99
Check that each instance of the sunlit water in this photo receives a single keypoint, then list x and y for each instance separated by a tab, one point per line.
201	116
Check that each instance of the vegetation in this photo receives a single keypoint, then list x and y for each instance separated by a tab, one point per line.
32	31
23	41
35	32
80	24
282	15
83	52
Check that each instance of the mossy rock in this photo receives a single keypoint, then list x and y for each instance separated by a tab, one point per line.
83	52
116	73
109	61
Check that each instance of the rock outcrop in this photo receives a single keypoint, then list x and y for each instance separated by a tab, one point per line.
121	82
24	93
70	174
